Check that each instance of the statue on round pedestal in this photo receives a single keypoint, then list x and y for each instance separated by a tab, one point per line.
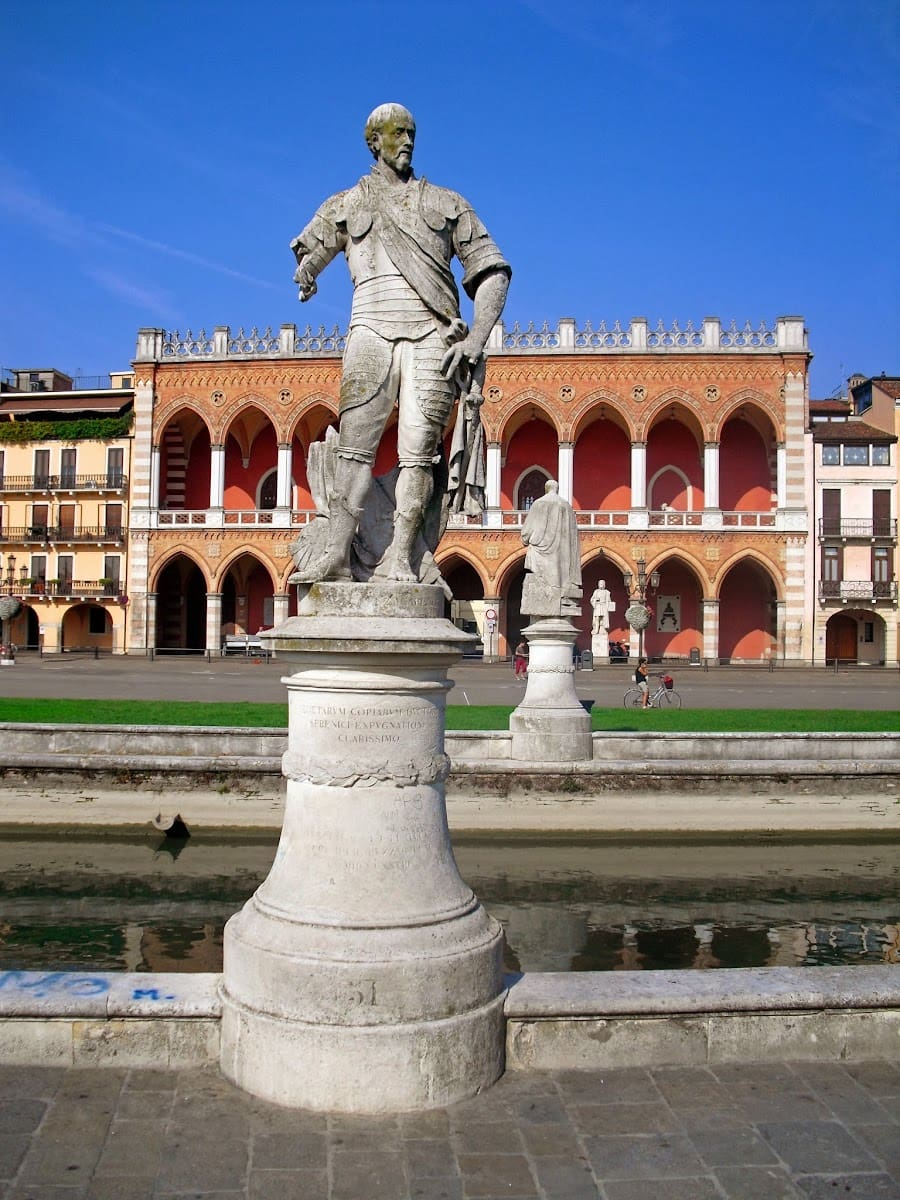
552	586
407	346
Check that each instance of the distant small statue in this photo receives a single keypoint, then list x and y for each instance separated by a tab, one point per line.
552	586
602	604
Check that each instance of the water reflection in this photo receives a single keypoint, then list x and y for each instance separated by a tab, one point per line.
126	905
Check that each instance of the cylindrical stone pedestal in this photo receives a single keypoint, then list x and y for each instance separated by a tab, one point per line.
551	724
364	975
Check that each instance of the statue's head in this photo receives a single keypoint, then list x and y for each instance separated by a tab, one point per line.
551	486
601	583
391	135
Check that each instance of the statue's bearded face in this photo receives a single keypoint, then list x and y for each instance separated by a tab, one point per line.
394	142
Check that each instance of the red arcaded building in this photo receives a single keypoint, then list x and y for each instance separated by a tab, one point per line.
684	449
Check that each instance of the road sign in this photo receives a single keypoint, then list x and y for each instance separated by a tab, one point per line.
490	614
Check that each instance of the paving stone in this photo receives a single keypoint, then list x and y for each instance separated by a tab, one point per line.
295	1151
46	1192
432	1124
429	1158
205	1154
21	1116
757	1183
493	1138
120	1189
855	1187
884	1142
809	1147
488	1175
606	1087
147	1106
132	1148
12	1151
375	1175
879	1078
30	1083
731	1147
65	1153
555	1140
288	1185
601	1119
846	1098
694	1188
537	1110
656	1156
148	1080
690	1087
436	1189
567	1180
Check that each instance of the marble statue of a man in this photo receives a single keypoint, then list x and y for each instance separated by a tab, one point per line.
407	343
602	605
552	586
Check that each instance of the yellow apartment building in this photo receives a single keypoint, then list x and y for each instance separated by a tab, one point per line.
65	463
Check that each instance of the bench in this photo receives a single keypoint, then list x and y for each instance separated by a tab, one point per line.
249	644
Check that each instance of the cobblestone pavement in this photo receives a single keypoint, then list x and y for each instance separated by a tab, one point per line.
789	1130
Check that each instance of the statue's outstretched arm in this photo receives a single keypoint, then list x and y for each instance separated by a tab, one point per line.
314	249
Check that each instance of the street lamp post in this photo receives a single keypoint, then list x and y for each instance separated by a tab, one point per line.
637	588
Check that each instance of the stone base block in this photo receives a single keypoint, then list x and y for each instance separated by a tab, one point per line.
550	736
362	1069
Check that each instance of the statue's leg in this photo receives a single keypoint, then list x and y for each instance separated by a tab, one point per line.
425	400
368	392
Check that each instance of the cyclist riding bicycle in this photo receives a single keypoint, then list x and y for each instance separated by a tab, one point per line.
640	678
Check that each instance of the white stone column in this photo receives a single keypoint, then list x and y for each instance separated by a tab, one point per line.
565	470
280	605
711	474
780	629
638	474
154	477
492	640
711	630
217	476
214	622
781	474
493	467
151	620
283	483
363	975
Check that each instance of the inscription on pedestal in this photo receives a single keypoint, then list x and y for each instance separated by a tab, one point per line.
353	741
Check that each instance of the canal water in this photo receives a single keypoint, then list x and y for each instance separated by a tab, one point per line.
144	903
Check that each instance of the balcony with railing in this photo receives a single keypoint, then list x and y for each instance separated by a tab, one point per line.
67	589
102	482
867	528
66	534
857	589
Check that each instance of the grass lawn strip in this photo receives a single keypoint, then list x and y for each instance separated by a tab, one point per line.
484	716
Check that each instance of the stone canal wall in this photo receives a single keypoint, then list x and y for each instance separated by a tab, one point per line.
589	1020
795	783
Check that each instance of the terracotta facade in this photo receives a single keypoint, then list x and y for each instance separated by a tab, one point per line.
684	449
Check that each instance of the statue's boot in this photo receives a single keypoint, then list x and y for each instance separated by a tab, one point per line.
334	562
414	488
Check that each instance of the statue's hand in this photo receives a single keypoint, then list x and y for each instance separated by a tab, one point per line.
307	282
461	358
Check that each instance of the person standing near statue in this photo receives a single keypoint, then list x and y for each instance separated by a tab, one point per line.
407	344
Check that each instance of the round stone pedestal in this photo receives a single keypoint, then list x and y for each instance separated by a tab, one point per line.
551	724
364	975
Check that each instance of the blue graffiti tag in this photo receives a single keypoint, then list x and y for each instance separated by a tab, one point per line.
149	994
57	981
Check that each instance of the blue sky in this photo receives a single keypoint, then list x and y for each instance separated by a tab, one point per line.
665	160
